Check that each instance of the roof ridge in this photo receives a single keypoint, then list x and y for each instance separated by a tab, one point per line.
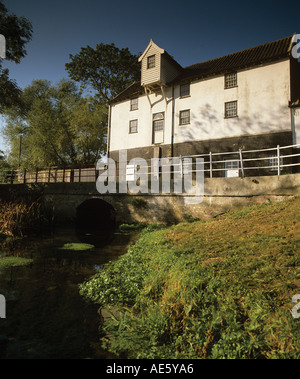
241	51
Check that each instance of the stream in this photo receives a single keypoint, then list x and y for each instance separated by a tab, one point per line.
46	318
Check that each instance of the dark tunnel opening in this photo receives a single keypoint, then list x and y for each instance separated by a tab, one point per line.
95	222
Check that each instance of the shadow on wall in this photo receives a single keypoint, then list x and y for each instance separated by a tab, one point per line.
95	222
207	123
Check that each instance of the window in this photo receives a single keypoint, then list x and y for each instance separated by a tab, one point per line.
133	126
273	162
185	90
231	80
158	121
133	104
151	61
231	109
158	127
184	117
231	168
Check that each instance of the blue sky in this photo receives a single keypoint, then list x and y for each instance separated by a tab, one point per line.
191	31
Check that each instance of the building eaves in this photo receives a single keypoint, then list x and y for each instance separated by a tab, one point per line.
132	91
254	56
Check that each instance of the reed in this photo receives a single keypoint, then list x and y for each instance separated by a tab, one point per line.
21	217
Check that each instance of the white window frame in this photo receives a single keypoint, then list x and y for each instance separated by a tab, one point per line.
185	90
151	61
184	117
231	109
133	126
158	125
134	104
230	80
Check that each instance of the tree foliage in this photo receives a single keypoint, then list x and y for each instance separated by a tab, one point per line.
106	69
17	32
56	126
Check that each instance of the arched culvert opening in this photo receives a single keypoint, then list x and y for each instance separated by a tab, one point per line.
95	222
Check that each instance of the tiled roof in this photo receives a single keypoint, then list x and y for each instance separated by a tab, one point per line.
268	52
242	59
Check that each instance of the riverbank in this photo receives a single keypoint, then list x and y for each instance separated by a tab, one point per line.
215	289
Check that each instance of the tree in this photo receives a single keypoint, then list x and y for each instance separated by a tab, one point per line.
57	126
17	32
106	69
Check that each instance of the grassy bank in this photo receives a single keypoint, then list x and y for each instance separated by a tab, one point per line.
215	289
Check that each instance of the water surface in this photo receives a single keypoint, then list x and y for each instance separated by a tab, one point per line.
45	315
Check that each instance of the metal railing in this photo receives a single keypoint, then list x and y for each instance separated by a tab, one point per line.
271	161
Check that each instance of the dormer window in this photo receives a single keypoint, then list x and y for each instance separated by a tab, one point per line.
157	67
151	61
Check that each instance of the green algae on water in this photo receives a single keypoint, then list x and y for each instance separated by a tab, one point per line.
76	246
14	261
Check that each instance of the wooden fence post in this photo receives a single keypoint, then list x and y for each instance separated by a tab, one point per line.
12	174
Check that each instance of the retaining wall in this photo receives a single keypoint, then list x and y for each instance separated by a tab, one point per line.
220	195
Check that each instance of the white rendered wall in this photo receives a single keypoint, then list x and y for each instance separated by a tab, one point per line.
263	94
121	115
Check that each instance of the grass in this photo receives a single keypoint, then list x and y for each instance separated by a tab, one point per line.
215	289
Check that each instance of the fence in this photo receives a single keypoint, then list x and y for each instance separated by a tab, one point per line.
50	175
272	161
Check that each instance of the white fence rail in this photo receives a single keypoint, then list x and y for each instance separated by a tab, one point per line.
271	161
233	163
